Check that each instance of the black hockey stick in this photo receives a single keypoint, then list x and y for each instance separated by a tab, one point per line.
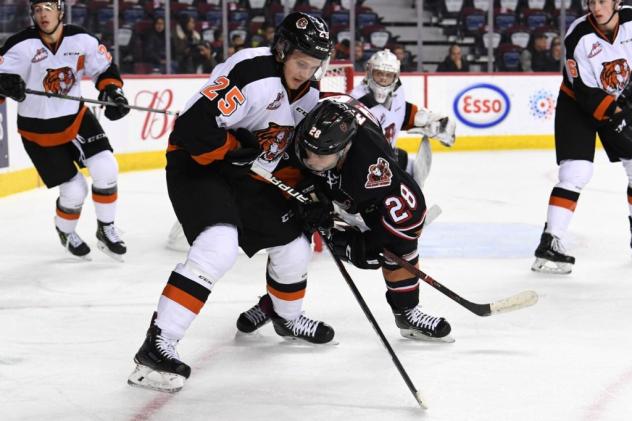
515	302
96	101
356	293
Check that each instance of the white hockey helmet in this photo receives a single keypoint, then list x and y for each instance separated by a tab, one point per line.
384	61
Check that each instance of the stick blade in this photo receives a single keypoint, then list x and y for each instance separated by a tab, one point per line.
515	302
421	400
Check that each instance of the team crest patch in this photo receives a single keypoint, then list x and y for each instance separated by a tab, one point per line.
59	81
276	103
273	141
614	75
379	175
40	55
301	23
596	49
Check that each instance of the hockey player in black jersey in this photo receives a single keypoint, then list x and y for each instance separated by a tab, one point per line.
58	134
342	147
247	110
595	98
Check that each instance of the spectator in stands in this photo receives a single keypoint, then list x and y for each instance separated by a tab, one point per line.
454	61
360	60
203	60
154	46
556	55
218	45
404	58
536	58
186	38
341	50
267	32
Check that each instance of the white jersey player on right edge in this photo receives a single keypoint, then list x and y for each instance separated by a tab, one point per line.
383	94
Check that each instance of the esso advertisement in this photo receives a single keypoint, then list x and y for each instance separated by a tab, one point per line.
481	106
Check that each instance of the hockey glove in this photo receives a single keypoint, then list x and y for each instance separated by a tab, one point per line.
12	86
248	149
354	247
434	125
318	215
624	100
112	93
622	124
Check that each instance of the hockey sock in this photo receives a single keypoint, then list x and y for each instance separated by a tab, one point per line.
403	294
630	199
182	299
562	204
66	219
105	203
287	299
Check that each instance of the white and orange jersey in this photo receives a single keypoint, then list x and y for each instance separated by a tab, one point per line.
399	116
245	92
597	65
58	69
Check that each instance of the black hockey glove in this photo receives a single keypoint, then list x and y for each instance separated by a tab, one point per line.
12	86
318	215
624	100
248	151
112	93
622	124
354	247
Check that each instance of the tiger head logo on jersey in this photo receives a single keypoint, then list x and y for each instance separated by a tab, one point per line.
59	81
614	75
273	141
379	174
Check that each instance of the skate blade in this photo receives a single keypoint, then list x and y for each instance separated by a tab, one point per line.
84	258
547	266
418	336
103	248
292	340
147	378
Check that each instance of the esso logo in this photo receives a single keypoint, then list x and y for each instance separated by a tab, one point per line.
481	106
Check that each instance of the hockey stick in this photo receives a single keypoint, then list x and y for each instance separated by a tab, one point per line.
515	302
96	101
356	293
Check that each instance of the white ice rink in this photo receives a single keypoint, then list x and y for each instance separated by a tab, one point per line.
69	329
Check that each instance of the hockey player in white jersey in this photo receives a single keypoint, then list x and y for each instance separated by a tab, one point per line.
58	133
246	111
595	98
382	92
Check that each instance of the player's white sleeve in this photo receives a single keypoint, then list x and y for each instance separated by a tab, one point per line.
98	59
13	61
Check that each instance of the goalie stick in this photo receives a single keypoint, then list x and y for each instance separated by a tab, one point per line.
515	302
356	293
96	101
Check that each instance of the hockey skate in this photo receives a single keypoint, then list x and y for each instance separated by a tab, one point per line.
304	329
415	324
110	242
158	365
257	316
74	244
550	256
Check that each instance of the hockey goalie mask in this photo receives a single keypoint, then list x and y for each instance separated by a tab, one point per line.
324	136
382	74
306	33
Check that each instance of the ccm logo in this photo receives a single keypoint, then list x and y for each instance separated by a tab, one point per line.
481	106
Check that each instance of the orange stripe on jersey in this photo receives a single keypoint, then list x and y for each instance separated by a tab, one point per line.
105	82
630	200
184	299
600	112
104	198
563	203
219	153
287	296
69	216
59	138
568	91
81	62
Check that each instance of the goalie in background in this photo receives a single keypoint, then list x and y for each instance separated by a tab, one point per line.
595	98
59	134
383	94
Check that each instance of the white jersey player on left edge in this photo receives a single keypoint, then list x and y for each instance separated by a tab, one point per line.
382	92
59	134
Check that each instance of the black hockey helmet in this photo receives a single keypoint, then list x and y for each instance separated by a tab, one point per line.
304	32
326	130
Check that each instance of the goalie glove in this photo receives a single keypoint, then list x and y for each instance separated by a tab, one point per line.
12	86
353	246
114	94
434	125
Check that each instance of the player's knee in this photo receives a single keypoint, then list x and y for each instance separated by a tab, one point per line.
575	174
103	169
73	192
288	263
215	250
627	165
